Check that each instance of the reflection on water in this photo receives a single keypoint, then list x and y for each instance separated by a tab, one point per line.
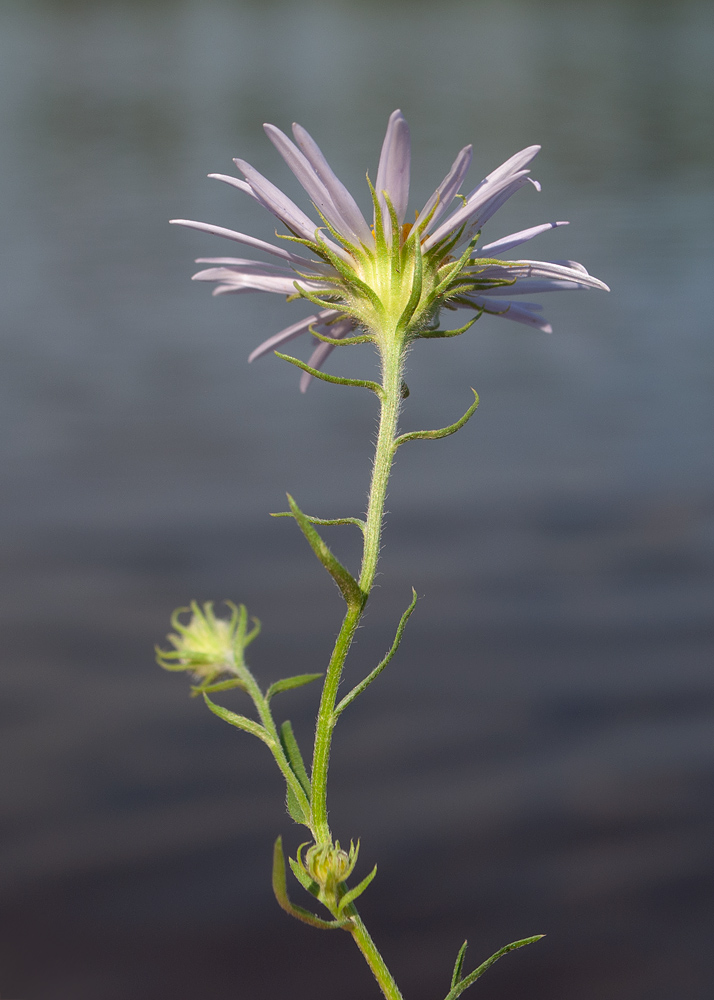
541	751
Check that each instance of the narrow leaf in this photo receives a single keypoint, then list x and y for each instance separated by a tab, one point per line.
295	810
292	752
281	894
235	682
352	894
442	432
469	980
324	520
359	688
451	333
288	683
456	977
303	878
364	383
343	578
239	721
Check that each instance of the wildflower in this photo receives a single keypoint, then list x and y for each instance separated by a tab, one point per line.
387	281
206	645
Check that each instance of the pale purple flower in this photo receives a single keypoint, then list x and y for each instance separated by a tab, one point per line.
351	279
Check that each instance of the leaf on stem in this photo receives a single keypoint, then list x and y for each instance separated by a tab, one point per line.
292	752
352	894
288	683
301	874
281	894
463	984
359	688
442	432
458	966
239	721
336	380
235	682
440	334
349	588
325	520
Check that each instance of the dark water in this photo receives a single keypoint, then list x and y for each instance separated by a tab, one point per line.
539	758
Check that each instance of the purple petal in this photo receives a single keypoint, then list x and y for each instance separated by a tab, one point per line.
393	170
235	182
519	312
278	203
323	351
283	208
511	166
488	196
249	241
444	194
341	198
290	333
302	168
244	266
319	266
515	239
529	269
480	206
235	281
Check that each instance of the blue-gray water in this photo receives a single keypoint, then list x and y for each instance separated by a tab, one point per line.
539	757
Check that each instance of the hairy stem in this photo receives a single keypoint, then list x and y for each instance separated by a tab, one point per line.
373	958
390	399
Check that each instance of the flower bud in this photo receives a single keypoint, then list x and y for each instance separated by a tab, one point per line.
328	865
205	645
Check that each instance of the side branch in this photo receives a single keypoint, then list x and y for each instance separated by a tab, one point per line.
359	688
363	383
443	431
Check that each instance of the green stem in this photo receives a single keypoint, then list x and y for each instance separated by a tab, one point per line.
383	458
325	724
266	717
374	960
390	400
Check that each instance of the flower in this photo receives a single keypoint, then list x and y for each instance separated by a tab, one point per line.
388	281
206	645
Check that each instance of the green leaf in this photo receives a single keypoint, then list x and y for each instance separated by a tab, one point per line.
359	688
456	977
303	878
363	383
352	894
463	984
239	721
442	432
281	894
295	810
288	683
349	588
325	520
292	752
235	682
451	333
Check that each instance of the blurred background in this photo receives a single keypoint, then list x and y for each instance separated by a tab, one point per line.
539	756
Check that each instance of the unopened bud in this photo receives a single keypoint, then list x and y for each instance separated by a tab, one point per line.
205	645
328	865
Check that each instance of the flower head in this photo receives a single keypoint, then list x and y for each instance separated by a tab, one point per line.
389	280
206	645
